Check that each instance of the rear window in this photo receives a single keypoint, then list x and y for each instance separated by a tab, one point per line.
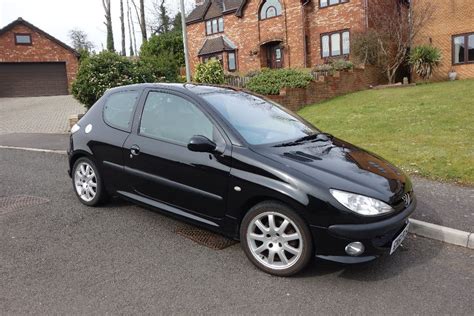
119	109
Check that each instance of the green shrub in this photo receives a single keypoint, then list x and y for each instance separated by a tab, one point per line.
424	59
164	66
323	68
272	81
334	65
210	72
169	44
341	64
165	53
106	70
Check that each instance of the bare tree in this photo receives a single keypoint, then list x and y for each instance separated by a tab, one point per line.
79	40
108	24
122	27
393	27
141	18
130	30
159	22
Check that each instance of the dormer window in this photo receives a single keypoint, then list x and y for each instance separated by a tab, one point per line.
22	39
270	9
215	26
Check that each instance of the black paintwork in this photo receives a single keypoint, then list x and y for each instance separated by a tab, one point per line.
199	186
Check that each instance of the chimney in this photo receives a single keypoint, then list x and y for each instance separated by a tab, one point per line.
199	2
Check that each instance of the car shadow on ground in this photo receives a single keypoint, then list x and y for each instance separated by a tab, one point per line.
413	252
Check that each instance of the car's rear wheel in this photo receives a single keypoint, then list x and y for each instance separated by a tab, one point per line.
276	239
87	182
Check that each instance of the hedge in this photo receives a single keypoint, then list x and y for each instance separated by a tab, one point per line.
272	81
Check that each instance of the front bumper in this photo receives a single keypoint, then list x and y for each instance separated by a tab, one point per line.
377	237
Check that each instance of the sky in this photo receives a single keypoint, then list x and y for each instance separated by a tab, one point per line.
58	17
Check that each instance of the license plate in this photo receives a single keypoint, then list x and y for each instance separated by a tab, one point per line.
398	241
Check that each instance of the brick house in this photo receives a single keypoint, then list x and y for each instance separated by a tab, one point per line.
247	35
34	63
451	29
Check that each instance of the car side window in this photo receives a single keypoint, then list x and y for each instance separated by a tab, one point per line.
118	109
173	118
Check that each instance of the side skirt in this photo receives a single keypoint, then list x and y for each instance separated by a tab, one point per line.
166	207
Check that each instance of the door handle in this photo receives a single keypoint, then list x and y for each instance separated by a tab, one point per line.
135	150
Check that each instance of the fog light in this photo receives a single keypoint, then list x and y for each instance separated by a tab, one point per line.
355	248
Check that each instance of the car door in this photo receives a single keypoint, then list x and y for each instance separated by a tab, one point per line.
161	166
109	132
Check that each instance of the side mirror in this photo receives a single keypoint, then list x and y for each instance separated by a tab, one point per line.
201	144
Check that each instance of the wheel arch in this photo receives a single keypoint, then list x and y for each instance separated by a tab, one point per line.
76	155
255	200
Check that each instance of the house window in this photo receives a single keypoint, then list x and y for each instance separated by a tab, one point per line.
232	63
215	26
335	44
22	39
270	9
463	49
327	3
218	57
220	21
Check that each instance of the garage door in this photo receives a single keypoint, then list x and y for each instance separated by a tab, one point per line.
32	79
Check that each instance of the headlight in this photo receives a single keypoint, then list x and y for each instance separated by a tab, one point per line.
360	204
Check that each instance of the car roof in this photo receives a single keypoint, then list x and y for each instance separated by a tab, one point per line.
193	88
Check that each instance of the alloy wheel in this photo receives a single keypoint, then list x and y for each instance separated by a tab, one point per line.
85	181
274	240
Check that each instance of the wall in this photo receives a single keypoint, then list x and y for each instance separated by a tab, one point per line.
42	50
450	17
350	15
248	33
329	87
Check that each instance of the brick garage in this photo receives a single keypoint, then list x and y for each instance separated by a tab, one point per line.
34	63
450	19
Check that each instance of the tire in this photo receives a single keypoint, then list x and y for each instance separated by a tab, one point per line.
87	182
277	250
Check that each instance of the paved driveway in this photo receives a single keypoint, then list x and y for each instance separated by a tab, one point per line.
38	114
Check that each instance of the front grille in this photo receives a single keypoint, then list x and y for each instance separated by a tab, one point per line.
401	203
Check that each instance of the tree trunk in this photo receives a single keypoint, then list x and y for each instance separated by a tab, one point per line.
122	27
391	76
142	20
129	29
108	24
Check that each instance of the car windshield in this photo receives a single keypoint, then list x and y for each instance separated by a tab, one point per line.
258	121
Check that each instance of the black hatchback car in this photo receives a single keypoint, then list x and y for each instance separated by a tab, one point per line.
242	166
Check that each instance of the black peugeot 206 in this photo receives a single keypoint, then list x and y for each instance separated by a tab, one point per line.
245	167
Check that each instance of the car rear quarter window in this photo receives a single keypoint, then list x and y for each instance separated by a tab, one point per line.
119	108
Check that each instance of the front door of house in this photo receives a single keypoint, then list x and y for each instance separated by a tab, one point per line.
274	56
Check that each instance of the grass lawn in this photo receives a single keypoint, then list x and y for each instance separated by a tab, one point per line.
426	130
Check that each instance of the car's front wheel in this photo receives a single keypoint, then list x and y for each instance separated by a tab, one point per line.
276	239
87	182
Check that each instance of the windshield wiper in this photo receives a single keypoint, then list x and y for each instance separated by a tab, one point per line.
313	137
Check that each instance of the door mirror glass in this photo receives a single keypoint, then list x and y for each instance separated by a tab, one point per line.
201	144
